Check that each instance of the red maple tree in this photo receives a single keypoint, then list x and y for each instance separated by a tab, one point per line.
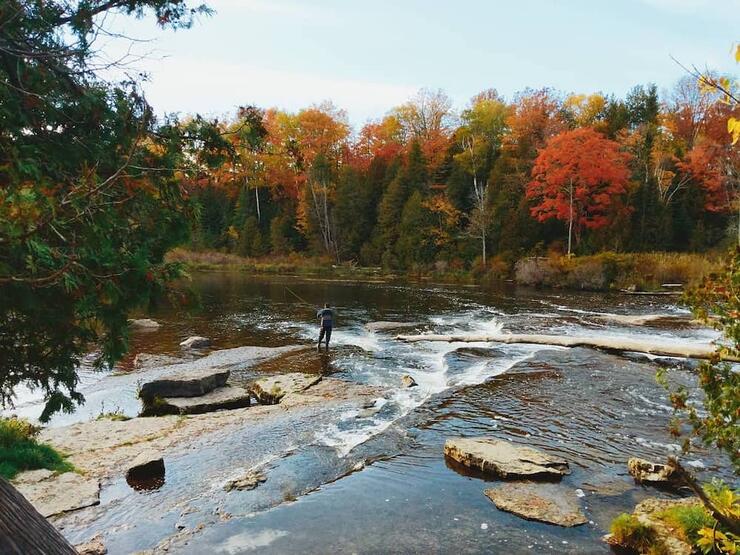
578	178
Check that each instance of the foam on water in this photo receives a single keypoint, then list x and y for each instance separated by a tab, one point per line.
428	365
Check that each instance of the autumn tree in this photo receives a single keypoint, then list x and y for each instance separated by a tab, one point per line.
480	137
578	178
90	193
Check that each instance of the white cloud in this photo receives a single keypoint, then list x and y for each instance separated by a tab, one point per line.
213	87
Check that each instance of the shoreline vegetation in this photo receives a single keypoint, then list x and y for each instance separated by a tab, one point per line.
630	272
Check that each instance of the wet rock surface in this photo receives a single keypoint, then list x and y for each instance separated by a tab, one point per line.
148	360
408	381
504	459
249	481
52	494
195	342
272	389
189	383
550	503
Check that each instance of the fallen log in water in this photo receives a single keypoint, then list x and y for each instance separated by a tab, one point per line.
613	344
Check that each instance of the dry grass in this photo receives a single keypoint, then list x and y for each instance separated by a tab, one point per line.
640	271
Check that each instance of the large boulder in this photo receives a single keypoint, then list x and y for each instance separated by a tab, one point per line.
504	459
192	383
652	473
222	398
195	342
271	390
53	494
551	503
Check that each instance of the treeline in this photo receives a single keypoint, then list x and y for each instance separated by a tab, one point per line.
544	172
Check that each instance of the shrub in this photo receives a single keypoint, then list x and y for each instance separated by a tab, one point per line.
20	451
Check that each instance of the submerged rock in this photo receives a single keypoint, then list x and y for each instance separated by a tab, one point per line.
390	326
52	494
272	389
249	481
503	458
192	383
195	342
144	323
148	360
222	398
550	503
649	472
408	381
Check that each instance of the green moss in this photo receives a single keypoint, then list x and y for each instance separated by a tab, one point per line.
629	532
20	451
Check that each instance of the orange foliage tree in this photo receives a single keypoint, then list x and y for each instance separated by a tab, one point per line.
578	178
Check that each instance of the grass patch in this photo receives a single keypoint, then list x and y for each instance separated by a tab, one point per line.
20	451
687	520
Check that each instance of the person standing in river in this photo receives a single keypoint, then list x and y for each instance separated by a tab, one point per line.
326	322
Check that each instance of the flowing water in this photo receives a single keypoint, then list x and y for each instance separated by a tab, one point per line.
344	480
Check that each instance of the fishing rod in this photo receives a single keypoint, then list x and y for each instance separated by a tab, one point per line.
297	296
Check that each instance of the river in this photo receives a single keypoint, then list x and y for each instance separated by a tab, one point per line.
345	482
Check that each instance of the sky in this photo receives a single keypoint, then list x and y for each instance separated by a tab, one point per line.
369	56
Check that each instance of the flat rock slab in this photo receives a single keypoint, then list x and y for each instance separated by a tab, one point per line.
550	503
390	326
53	494
222	398
192	383
272	389
504	459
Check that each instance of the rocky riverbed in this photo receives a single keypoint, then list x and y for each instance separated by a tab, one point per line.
348	458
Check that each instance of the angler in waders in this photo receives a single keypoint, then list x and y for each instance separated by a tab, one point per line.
326	321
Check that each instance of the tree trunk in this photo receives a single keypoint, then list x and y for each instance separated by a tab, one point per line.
23	531
570	219
483	236
257	197
609	344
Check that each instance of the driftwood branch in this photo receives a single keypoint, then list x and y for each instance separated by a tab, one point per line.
611	344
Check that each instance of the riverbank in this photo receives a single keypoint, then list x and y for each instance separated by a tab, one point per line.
634	272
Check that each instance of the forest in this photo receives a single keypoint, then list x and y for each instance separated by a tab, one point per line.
544	172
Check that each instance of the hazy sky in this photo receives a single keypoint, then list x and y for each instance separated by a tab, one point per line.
369	56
